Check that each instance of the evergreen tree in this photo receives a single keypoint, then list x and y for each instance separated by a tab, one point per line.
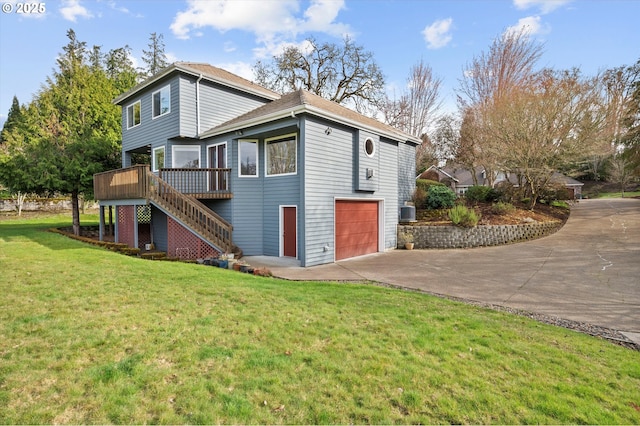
68	133
13	118
154	58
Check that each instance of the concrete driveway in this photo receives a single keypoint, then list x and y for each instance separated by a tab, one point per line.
589	271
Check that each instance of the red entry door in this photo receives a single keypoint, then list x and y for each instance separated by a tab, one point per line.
289	232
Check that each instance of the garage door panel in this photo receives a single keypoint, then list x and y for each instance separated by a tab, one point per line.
356	228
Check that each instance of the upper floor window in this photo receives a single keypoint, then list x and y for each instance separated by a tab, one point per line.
133	115
282	155
158	159
161	101
185	156
248	158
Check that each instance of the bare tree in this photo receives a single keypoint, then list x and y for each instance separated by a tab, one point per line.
620	171
488	80
417	108
508	64
544	125
346	74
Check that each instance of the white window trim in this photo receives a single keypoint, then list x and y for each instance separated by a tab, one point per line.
153	104
155	167
226	152
257	159
194	148
266	154
127	113
364	147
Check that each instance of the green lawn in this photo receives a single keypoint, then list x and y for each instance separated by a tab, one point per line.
91	336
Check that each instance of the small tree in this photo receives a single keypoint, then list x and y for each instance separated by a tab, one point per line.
621	171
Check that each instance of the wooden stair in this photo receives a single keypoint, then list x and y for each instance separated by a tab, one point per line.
201	220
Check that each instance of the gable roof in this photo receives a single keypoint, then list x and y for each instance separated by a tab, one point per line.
207	72
303	101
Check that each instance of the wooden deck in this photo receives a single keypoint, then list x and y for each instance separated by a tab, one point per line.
132	183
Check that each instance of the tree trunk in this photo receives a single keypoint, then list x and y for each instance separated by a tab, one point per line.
75	209
20	197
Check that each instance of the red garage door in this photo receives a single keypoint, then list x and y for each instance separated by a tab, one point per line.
356	228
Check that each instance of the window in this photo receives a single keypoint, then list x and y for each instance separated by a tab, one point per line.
282	155
185	157
248	158
161	101
133	115
158	159
369	147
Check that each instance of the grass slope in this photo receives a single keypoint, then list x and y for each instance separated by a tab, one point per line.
90	336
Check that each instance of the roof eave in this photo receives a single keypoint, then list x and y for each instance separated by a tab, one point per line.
292	112
186	70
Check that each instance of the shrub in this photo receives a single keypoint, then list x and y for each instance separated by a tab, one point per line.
481	193
502	208
440	197
460	215
419	198
425	184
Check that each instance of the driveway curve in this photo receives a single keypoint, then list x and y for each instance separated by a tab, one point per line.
589	271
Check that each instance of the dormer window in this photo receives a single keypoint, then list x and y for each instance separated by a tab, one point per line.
133	115
161	101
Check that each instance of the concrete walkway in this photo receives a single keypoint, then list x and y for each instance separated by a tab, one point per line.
589	271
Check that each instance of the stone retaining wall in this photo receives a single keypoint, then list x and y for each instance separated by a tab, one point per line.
442	237
41	204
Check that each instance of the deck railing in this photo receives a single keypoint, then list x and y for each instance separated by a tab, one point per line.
131	182
201	183
192	212
121	184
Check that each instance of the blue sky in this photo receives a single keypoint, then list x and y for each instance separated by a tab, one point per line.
589	34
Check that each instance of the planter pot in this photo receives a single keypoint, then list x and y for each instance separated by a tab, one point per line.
244	268
223	264
409	246
236	267
231	263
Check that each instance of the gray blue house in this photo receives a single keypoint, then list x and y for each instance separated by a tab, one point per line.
234	166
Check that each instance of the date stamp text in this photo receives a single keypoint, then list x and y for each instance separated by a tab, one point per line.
24	8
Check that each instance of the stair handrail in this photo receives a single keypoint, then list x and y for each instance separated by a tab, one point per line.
194	213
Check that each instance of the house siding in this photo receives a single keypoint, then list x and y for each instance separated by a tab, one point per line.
278	191
388	188
218	104
159	228
248	206
154	132
406	172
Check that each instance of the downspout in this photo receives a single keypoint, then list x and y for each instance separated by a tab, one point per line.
198	105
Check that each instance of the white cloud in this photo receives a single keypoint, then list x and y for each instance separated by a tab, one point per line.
72	9
229	46
530	25
242	69
438	35
545	6
268	20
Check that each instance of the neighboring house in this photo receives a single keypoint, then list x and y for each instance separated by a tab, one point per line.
234	165
459	179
